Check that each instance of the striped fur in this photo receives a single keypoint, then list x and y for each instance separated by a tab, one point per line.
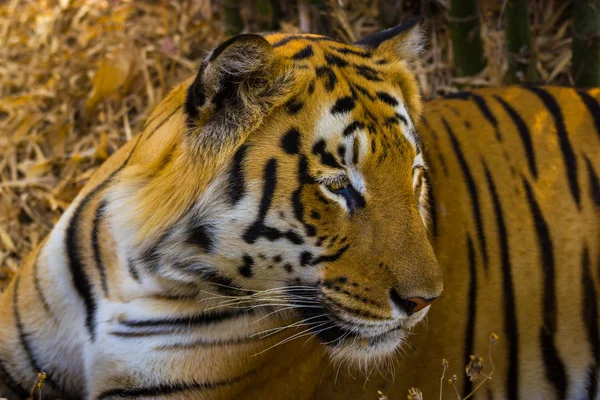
267	228
516	229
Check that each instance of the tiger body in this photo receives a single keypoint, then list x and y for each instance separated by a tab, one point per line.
516	228
185	266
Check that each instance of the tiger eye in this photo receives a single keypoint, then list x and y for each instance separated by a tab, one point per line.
337	186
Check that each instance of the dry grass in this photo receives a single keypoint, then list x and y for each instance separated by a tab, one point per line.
79	78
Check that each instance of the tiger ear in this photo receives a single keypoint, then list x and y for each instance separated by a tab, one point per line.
238	83
404	42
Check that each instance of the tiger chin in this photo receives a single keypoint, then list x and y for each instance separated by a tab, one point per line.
286	176
349	340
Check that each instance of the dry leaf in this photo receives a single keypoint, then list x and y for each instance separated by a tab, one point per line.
5	237
36	169
111	76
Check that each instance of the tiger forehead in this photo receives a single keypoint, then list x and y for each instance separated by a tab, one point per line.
318	48
368	83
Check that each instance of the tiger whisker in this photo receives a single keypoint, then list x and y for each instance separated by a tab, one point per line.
314	334
274	312
295	336
266	301
292	325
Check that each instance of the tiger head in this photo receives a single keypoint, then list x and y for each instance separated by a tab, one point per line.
290	164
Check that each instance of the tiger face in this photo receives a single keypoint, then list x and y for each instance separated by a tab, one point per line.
291	165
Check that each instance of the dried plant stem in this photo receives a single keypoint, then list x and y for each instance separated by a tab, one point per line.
456	390
445	364
39	385
586	35
303	16
521	59
390	12
485	377
232	17
467	46
321	16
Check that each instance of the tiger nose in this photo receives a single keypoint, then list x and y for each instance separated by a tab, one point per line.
410	305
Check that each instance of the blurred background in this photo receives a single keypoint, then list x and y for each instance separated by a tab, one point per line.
80	78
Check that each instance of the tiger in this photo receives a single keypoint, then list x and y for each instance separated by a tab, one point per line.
289	215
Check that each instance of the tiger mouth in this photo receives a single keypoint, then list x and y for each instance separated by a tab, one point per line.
338	335
333	331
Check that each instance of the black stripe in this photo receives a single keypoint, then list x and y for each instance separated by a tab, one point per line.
258	229
473	195
311	87
368	73
218	342
363	91
524	134
202	235
12	384
157	127
590	318
305	53
355	151
594	183
133	271
166	390
343	105
471	311
237	182
191	320
152	118
334	60
96	246
483	107
432	205
590	306
592	386
34	363
291	38
354	52
146	333
436	151
554	367
342	153
326	157
353	311
290	142
402	118
195	98
330	257
508	292
487	113
387	98
350	129
568	154
81	282
329	75
294	106
304	178
593	108
38	287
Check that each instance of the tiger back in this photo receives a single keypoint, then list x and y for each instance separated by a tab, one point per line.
516	228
